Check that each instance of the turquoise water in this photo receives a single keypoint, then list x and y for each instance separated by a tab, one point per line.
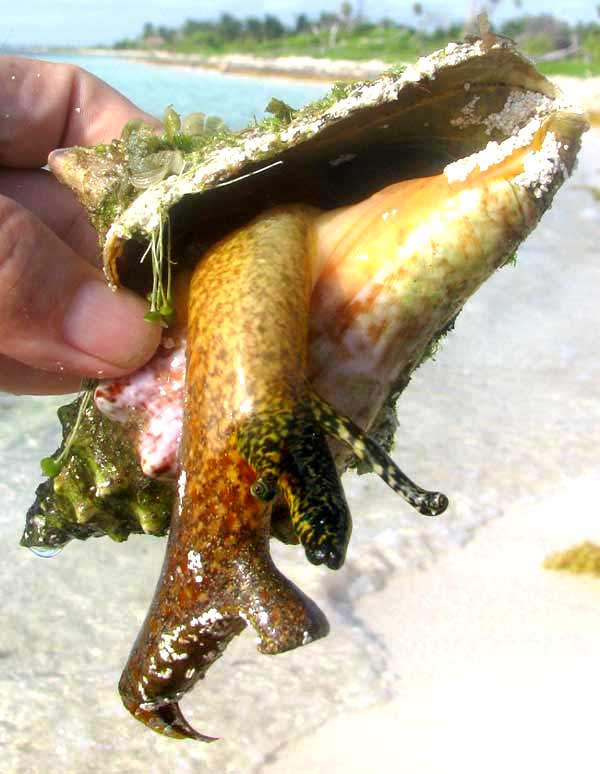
237	99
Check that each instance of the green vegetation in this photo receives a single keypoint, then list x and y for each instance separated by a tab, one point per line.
557	46
322	39
577	67
51	466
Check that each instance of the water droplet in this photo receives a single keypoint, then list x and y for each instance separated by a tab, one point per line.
46	552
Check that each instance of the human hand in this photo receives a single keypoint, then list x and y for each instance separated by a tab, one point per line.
59	320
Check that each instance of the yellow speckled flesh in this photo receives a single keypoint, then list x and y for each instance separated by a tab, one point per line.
367	450
218	574
253	427
316	505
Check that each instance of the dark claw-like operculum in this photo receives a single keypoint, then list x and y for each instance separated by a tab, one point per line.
166	662
168	720
366	449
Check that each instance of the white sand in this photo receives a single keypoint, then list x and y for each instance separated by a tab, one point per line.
497	660
302	67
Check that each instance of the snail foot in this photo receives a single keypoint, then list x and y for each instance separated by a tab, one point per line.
281	614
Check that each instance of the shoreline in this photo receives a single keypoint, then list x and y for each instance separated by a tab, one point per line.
303	68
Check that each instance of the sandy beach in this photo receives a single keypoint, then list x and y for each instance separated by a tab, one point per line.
452	651
301	67
495	658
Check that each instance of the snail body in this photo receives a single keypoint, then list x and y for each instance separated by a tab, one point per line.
217	574
252	425
337	243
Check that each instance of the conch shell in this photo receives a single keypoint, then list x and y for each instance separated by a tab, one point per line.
369	219
482	136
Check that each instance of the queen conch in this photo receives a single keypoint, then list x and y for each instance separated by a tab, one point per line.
311	262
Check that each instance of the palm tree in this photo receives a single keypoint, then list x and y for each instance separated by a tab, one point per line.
346	14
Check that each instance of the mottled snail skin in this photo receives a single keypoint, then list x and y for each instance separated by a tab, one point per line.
313	508
367	450
252	425
266	330
282	435
217	574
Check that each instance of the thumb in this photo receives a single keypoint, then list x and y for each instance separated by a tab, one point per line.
56	311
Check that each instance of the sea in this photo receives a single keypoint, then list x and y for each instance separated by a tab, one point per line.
505	412
234	98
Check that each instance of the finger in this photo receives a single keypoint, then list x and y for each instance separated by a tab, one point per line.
20	379
48	105
57	312
55	205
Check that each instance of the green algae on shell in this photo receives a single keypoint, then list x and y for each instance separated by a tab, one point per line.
100	490
456	113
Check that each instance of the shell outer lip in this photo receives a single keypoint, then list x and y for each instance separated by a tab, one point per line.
260	149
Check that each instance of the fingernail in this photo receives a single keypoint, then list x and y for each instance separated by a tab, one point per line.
63	163
110	326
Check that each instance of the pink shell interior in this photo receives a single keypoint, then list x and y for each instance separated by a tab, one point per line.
150	403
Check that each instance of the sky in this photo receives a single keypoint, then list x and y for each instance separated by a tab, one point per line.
85	23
